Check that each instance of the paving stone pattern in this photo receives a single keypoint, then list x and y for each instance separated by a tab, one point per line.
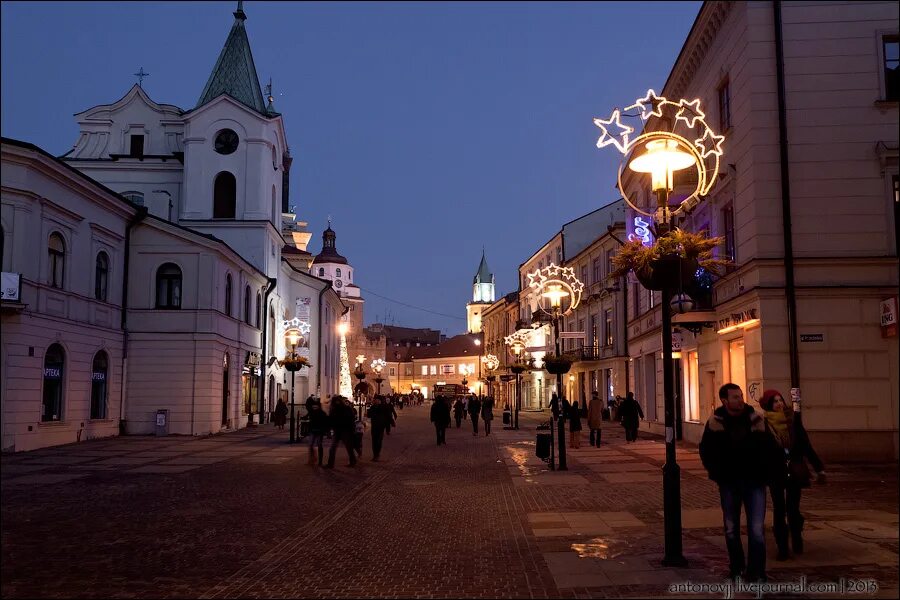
241	515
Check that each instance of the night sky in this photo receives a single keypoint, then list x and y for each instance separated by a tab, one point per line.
426	130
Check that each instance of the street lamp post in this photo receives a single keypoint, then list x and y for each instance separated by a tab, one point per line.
491	363
378	366
360	374
293	363
660	151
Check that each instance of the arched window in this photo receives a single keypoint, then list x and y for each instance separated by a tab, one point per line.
271	330
57	252
134	197
54	371
228	294
168	286
321	272
258	309
247	305
224	196
276	213
101	276
337	272
99	374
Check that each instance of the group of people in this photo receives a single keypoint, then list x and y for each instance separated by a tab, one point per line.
744	453
627	410
475	408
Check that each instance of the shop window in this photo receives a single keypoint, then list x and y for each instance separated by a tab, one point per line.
424	369
56	249
99	385
737	363
691	386
101	276
168	286
54	373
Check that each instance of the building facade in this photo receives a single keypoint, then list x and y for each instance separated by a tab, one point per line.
829	186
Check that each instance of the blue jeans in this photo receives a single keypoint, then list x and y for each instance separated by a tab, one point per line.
753	497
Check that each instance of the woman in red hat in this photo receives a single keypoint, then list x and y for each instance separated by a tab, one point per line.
786	485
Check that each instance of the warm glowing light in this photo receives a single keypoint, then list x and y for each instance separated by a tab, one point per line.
360	359
714	141
378	365
555	293
477	342
662	159
293	336
345	386
571	378
555	283
303	326
491	362
686	109
655	103
343	328
743	325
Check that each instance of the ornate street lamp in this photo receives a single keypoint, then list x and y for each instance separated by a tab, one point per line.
559	293
293	362
490	363
516	343
378	366
661	151
361	387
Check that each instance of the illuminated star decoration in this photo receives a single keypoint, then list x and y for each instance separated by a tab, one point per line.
565	277
655	103
690	107
303	326
620	140
710	143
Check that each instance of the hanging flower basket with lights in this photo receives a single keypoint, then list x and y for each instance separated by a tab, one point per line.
518	368
294	363
557	365
671	262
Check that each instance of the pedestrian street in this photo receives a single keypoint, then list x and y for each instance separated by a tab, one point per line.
242	515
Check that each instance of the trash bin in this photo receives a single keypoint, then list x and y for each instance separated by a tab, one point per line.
506	416
162	421
542	446
304	426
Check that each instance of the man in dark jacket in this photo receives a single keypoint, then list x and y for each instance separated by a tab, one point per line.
391	414
631	413
474	407
440	416
318	428
344	425
379	417
740	456
459	411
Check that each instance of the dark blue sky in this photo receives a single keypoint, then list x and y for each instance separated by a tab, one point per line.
425	129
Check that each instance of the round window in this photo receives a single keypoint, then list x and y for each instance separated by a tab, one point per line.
226	141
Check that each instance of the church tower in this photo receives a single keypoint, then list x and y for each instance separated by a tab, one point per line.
482	295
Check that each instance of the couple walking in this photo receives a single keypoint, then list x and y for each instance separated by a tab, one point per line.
483	408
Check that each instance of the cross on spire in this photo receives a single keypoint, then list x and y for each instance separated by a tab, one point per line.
140	75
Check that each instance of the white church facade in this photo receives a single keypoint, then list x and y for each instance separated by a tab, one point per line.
154	266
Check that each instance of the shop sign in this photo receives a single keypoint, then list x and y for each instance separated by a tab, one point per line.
640	230
52	372
676	342
253	359
812	337
889	317
734	321
98	376
10	286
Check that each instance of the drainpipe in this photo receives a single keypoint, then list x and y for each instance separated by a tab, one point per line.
123	324
789	288
263	360
319	329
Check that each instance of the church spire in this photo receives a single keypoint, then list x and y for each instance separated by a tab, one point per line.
235	72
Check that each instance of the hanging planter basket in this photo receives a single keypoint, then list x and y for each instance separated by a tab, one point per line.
672	272
518	368
557	365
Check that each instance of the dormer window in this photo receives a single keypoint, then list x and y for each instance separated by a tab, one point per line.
337	272
321	272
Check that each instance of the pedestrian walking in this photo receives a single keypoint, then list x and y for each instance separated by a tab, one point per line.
318	427
281	411
487	414
739	455
391	416
343	425
459	412
474	412
379	418
791	474
440	416
595	418
631	414
575	426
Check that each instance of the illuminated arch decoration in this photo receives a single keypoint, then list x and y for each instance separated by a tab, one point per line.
519	337
706	149
553	275
295	323
491	362
378	365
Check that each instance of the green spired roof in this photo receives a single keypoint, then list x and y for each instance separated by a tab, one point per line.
235	73
484	273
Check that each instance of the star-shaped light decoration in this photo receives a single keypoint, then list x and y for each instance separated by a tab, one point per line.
710	143
690	112
555	275
303	326
653	101
621	139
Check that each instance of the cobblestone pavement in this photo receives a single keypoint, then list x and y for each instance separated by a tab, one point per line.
242	515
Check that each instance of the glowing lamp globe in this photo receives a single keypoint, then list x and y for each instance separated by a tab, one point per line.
555	293
662	159
292	336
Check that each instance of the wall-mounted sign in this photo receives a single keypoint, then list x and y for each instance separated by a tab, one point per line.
10	287
741	320
52	372
677	341
98	376
812	337
889	317
640	230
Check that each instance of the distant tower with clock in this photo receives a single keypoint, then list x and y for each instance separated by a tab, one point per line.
482	296
329	264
